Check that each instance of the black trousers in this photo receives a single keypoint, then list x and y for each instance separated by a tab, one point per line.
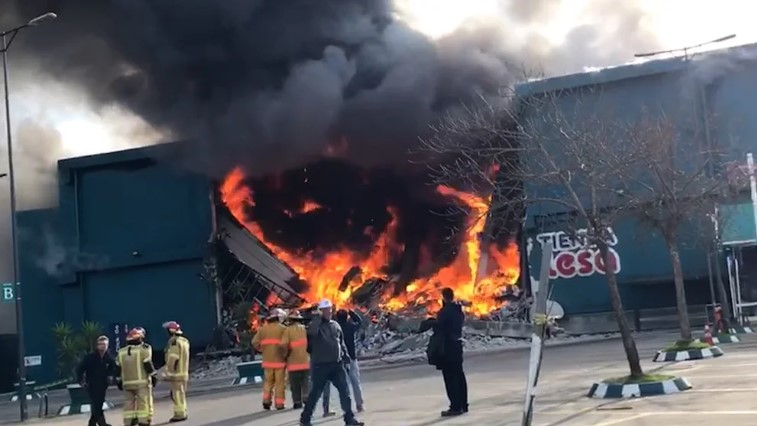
96	400
454	376
322	374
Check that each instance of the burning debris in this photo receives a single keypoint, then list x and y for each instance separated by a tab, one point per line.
378	245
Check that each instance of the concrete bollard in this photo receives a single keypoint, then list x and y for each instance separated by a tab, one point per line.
249	373
80	403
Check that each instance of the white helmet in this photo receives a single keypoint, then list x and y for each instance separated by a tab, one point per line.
277	313
324	304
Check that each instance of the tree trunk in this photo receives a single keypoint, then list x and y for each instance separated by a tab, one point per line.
683	312
722	294
629	345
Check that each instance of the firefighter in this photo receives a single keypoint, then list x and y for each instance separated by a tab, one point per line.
135	375
295	345
268	342
177	369
148	348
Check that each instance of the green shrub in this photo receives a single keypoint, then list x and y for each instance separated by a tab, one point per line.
686	345
71	345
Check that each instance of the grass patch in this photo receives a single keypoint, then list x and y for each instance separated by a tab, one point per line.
686	345
644	378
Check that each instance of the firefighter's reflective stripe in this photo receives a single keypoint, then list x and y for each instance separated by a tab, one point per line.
298	343
298	367
273	364
264	342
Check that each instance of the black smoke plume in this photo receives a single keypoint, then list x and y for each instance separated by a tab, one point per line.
273	83
269	81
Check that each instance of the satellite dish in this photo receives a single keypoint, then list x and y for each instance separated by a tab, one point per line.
554	310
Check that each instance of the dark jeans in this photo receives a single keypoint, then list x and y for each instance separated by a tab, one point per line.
454	377
96	400
322	374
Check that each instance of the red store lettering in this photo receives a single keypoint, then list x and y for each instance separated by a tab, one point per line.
583	263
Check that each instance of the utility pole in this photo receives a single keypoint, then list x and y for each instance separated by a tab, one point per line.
539	332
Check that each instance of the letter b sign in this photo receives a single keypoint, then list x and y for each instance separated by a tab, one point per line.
8	296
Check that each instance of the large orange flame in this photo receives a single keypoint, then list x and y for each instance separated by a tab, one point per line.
323	272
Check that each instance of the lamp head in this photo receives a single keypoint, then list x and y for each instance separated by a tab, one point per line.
41	19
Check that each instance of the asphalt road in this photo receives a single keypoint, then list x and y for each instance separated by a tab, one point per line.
413	396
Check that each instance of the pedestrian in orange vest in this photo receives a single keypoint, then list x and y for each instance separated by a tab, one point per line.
268	342
295	344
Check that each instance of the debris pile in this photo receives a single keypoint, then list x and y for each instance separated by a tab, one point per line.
216	368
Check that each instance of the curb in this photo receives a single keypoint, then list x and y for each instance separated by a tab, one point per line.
741	330
247	380
29	397
712	352
666	387
723	338
71	409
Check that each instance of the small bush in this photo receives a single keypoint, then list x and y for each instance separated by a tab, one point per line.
686	345
71	345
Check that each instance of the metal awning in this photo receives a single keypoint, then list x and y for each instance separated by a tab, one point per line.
250	251
738	224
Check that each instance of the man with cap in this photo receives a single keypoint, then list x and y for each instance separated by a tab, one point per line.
295	344
176	372
95	373
268	342
329	356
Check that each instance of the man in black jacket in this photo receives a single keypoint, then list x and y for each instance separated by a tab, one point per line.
95	373
445	351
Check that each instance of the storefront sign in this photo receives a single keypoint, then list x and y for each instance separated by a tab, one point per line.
574	257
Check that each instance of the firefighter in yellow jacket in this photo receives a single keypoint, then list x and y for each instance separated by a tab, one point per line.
268	342
176	372
135	374
295	343
148	348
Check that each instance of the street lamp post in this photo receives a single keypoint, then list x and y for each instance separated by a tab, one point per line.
8	37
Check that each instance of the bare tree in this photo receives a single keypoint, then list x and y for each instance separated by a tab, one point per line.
568	160
675	184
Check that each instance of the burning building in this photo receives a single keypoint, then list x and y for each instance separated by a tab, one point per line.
370	239
132	226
